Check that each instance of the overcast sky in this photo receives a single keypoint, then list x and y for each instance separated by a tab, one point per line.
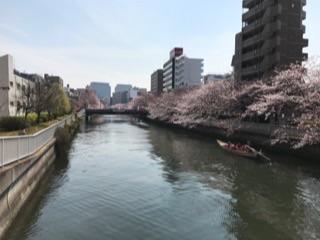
123	41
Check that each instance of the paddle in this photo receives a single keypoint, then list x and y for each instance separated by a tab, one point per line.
259	153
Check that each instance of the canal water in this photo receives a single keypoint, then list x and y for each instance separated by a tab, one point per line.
128	180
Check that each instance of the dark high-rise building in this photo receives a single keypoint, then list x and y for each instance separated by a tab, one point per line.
157	82
271	37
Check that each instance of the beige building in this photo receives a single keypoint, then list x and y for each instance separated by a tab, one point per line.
13	84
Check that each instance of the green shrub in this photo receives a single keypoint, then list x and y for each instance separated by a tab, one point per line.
13	123
32	118
63	139
44	117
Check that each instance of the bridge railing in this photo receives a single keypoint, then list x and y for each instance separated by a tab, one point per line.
13	148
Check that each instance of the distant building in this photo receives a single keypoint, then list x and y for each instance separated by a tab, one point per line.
209	78
124	93
121	94
135	92
181	72
13	84
157	82
103	91
271	37
122	88
53	79
120	97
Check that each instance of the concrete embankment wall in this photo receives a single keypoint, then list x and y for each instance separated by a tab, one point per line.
23	162
259	135
19	179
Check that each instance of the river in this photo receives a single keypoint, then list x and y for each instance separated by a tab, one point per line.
127	180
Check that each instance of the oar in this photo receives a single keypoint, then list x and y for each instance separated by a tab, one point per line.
259	153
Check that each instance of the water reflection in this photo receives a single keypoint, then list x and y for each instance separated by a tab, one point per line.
265	202
23	226
127	179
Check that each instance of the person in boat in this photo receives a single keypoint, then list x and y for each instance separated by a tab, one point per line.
238	147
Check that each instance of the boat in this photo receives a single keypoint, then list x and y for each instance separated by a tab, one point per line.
247	151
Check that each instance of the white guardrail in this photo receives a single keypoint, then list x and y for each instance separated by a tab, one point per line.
13	148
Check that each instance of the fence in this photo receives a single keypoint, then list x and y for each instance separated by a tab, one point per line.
17	147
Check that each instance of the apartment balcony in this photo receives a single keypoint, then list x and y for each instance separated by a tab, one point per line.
167	78
252	26
266	48
303	15
251	70
258	38
303	2
266	18
252	41
253	12
270	44
167	73
251	55
249	3
270	61
305	42
167	65
167	84
271	28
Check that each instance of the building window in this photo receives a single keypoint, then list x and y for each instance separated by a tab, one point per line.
18	86
11	84
11	103
19	106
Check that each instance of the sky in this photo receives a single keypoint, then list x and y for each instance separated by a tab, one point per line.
124	41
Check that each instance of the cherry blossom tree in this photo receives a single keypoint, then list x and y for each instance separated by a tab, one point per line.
141	103
290	100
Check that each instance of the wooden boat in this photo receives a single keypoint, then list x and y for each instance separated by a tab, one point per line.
249	153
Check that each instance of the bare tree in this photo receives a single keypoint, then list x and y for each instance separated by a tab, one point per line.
27	99
40	97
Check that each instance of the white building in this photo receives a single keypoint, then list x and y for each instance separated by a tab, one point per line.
181	72
209	78
12	86
135	92
188	72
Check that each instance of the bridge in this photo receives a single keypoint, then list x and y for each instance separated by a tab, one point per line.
109	111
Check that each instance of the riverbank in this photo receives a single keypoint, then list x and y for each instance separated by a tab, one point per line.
33	129
25	160
258	135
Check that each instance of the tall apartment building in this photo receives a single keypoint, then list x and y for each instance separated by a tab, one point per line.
181	72
271	37
103	91
157	82
12	87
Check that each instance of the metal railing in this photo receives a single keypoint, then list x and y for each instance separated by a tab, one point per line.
13	148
